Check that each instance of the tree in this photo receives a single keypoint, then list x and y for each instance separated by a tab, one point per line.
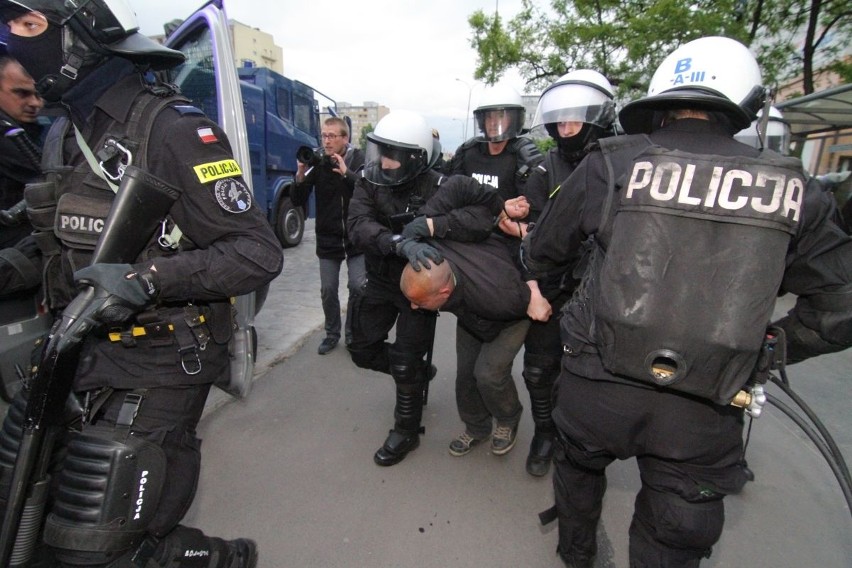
627	39
362	139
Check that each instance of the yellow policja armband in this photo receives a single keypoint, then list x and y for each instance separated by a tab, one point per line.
217	170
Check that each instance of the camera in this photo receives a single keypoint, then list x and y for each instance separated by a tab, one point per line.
312	158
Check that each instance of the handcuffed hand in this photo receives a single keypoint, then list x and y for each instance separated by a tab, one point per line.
417	228
516	208
130	290
418	253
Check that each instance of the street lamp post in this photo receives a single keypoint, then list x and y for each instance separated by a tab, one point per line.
467	112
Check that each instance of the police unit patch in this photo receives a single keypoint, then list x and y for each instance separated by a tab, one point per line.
233	195
217	170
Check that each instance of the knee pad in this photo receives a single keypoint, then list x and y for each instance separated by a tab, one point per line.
680	524
407	370
108	492
540	372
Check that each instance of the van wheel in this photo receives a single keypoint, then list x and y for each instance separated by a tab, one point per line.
289	223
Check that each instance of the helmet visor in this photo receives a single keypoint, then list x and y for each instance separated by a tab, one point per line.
574	103
497	124
778	136
392	163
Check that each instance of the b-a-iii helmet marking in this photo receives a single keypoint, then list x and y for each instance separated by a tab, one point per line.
399	149
500	113
714	74
78	36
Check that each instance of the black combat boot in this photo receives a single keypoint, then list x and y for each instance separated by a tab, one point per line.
185	547
541	452
410	377
539	380
405	435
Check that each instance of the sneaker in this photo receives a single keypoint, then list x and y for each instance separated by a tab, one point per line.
503	440
327	345
463	444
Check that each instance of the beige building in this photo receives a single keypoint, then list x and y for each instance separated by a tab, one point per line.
256	48
368	114
250	45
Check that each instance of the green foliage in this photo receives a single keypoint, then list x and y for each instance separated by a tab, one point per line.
362	138
627	39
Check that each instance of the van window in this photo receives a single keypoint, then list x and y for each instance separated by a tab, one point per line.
283	101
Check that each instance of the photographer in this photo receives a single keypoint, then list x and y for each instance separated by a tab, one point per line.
332	172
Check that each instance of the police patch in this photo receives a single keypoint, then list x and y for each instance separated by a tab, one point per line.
233	195
212	171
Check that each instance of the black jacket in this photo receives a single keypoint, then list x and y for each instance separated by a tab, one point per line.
16	170
490	293
817	266
227	248
460	207
333	193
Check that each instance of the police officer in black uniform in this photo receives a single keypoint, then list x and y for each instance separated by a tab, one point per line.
693	235
144	374
398	203
500	157
576	110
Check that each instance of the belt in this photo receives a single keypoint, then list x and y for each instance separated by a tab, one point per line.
158	330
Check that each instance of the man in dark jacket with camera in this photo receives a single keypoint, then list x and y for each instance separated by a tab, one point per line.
332	172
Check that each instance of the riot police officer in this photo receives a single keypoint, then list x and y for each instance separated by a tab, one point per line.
576	110
692	237
166	319
399	204
500	156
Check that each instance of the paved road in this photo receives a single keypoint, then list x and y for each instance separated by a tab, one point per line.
291	466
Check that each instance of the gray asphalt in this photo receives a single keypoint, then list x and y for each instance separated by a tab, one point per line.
291	466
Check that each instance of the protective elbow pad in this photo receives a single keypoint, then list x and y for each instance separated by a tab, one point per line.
108	492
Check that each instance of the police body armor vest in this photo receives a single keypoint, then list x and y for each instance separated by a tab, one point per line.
70	207
506	172
694	257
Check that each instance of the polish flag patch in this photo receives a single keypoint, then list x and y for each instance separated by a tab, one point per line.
206	135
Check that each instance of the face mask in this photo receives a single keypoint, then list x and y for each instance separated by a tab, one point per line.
41	56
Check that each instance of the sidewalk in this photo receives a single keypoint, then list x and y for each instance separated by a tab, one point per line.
292	311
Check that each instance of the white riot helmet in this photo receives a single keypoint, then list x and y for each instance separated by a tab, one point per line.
399	149
583	96
715	74
79	35
503	108
777	135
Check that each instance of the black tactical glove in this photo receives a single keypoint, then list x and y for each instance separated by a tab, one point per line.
418	253
417	228
14	215
130	290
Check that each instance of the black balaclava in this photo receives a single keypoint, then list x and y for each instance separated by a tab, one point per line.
574	148
41	56
44	57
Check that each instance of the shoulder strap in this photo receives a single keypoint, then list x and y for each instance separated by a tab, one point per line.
616	149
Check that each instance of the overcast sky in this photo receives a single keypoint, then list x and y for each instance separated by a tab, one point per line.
404	54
